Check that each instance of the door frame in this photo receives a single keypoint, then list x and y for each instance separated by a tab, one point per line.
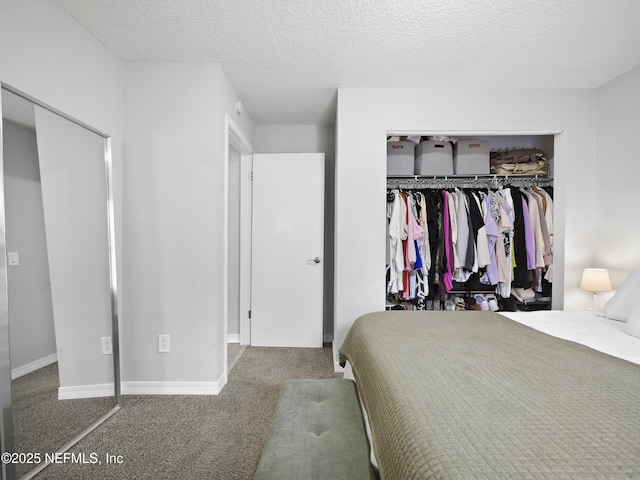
236	139
246	171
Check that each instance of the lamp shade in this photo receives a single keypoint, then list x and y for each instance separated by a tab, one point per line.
595	280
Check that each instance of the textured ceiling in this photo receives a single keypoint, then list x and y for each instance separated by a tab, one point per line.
286	58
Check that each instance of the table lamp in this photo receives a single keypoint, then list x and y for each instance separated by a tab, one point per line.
595	280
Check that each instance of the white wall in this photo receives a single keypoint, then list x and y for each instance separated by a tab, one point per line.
617	196
365	116
295	139
309	139
175	173
47	54
30	311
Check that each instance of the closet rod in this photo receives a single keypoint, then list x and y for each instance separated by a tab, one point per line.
474	181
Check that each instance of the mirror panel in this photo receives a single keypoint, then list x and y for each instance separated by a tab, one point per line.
74	196
61	277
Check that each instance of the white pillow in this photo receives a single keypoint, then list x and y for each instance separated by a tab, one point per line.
626	299
632	327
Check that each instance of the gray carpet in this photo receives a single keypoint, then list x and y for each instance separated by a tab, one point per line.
198	437
234	352
42	423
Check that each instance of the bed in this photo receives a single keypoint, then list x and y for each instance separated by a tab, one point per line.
471	395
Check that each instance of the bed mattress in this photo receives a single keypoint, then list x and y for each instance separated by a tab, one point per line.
586	327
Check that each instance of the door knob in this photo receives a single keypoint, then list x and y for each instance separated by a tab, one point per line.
317	259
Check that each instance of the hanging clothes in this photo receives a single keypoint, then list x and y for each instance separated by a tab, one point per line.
443	240
396	252
492	239
521	276
448	262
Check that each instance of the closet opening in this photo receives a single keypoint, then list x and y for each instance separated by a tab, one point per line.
472	169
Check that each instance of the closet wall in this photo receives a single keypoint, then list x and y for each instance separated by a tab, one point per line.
366	116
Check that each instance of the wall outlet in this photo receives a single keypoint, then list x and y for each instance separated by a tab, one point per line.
107	347
164	343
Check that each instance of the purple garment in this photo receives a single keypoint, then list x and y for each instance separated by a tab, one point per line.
447	275
530	241
492	238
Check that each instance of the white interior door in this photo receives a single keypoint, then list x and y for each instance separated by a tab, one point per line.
287	248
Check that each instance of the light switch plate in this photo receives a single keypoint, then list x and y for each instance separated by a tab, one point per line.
14	258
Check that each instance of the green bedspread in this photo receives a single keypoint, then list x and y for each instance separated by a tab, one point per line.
473	395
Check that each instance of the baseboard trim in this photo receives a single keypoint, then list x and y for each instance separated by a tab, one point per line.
33	366
173	388
86	391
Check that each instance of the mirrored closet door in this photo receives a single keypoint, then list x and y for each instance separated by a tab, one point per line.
60	275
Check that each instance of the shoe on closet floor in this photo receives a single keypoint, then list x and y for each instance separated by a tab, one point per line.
493	303
482	301
459	303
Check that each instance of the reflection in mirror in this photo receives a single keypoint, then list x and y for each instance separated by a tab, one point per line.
60	287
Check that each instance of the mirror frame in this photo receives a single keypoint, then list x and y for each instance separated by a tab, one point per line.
6	415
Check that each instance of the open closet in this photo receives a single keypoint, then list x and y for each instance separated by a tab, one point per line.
469	222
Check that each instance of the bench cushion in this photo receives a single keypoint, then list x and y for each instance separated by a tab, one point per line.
317	433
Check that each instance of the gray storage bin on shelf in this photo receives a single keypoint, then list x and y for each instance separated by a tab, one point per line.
471	157
400	158
434	158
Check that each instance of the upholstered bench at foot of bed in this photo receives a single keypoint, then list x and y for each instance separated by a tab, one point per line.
317	433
